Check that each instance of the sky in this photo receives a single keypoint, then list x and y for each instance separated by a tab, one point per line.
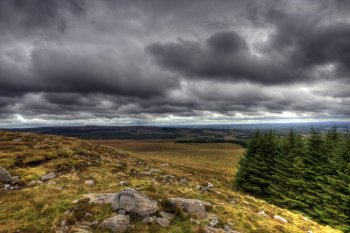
165	62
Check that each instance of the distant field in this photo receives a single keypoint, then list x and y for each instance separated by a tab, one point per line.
219	159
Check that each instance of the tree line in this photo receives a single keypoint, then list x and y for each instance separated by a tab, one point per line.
308	173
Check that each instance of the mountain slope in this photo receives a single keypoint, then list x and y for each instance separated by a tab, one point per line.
83	167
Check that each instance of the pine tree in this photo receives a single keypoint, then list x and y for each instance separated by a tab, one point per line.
288	181
255	169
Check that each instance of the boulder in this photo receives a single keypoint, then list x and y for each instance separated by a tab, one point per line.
116	223
280	219
135	203
5	176
48	176
191	206
163	222
100	198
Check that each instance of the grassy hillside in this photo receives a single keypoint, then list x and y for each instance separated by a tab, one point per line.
42	207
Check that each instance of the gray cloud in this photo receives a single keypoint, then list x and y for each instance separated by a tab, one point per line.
163	61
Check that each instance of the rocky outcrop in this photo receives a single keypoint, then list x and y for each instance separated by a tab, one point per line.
134	203
116	223
191	206
5	176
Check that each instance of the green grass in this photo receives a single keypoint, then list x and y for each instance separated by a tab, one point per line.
41	208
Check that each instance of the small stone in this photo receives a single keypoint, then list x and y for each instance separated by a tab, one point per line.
213	218
7	186
5	176
89	182
124	183
116	223
48	176
209	229
262	213
34	183
229	230
145	173
163	222
15	179
80	229
148	220
168	216
208	187
154	170
51	182
183	181
280	219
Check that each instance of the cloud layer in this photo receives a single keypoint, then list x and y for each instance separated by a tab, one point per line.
165	62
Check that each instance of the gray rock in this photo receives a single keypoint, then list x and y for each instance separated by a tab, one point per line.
80	229
168	216
209	229
213	218
100	198
5	176
89	182
207	187
51	182
135	203
34	183
124	183
15	179
48	176
262	213
163	222
116	223
191	206
145	174
280	219
154	170
148	220
183	181
121	211
229	230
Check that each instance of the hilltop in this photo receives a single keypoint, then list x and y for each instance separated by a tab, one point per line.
55	179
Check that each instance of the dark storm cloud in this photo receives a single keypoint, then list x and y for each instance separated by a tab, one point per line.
291	55
224	55
154	61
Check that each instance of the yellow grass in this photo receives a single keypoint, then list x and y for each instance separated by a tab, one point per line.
41	208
